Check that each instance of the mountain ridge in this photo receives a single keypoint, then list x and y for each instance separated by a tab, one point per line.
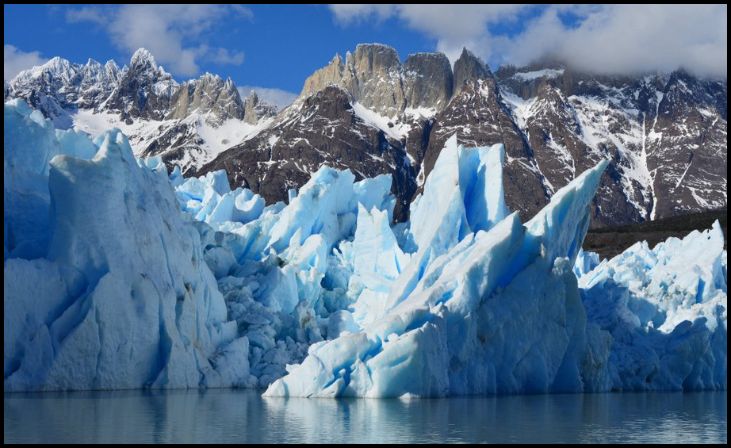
665	134
185	123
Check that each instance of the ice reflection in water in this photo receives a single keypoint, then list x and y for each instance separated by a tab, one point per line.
243	416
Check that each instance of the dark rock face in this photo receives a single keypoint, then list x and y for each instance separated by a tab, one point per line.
555	133
428	80
468	68
322	130
478	118
650	127
687	146
417	140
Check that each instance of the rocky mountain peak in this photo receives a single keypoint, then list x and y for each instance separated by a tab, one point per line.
57	71
93	64
375	60
428	80
377	82
144	90
255	110
337	60
211	78
331	74
375	77
112	70
468	67
111	65
57	65
417	61
143	59
208	95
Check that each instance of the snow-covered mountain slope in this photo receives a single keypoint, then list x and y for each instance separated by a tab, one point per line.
187	124
652	127
324	129
665	134
659	131
189	142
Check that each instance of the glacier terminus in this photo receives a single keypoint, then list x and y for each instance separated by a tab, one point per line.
121	275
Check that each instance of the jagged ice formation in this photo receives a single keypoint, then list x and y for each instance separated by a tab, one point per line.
120	275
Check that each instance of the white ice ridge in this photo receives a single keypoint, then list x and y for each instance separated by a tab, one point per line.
118	275
666	311
123	298
30	143
282	281
492	310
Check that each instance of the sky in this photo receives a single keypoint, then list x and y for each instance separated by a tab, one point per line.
273	48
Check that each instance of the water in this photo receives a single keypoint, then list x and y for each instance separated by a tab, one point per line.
230	416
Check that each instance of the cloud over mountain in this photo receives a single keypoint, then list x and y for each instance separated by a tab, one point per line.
601	38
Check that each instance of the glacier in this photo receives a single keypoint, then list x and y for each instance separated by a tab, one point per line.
474	312
30	143
666	311
121	275
122	297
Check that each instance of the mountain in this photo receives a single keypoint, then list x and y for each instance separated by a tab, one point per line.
324	128
664	133
186	124
58	87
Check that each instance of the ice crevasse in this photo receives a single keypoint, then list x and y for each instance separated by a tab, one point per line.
120	275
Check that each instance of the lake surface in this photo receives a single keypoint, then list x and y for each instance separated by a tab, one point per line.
238	416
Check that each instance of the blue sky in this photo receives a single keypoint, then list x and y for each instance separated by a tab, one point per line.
279	46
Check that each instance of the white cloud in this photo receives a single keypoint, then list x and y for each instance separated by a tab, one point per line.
16	60
223	56
348	13
603	38
453	26
168	31
458	26
86	14
278	97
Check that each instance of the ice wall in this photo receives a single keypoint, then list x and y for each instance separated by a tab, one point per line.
120	275
123	298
